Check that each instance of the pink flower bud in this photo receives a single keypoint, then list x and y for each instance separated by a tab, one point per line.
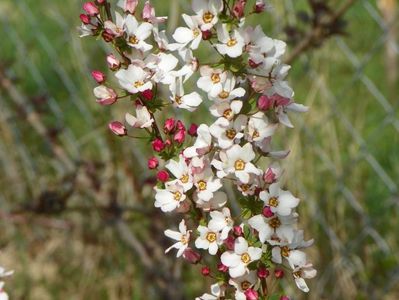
148	94
130	6
180	125
239	8
269	177
152	163
180	136
163	176
279	273
206	35
85	19
168	143
101	2
259	6
169	125
148	11
113	63
191	256
117	128
98	76
265	102
107	35
229	242
251	294
157	145
237	231
267	212
280	100
193	130
284	298
91	9
263	272
205	271
222	268
105	95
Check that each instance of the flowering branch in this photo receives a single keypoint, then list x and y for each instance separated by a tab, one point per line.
250	100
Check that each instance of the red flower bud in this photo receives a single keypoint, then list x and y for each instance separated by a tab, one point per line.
251	294
117	128
180	136
191	256
263	272
98	76
267	212
169	125
148	94
158	145
205	271
253	64
259	6
101	2
163	176
206	35
237	231
269	177
168	143
108	36
193	130
279	273
85	19
91	9
239	8
153	163
222	268
229	242
180	125
265	102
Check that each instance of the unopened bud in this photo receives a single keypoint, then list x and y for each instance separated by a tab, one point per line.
148	94
267	212
237	231
85	19
191	256
279	273
169	126
205	271
153	163
117	128
98	76
113	63
157	145
222	268
91	9
251	294
193	130
263	272
163	176
206	35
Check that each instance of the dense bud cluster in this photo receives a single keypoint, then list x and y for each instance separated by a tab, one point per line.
247	94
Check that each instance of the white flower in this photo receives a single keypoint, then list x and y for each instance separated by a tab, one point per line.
231	45
250	187
211	80
190	66
218	201
181	172
202	143
117	28
192	34
208	239
276	228
162	66
242	256
134	79
228	92
279	201
221	222
189	102
237	161
226	110
206	184
143	118
305	271
259	128
5	273
170	198
283	110
217	292
3	294
243	283
227	133
182	237
207	12
137	34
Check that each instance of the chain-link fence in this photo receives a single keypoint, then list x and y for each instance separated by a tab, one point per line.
55	153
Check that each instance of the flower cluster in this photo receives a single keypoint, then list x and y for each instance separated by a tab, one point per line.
248	97
3	274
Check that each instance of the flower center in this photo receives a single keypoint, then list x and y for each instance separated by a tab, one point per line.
255	134
196	32
231	42
244	187
133	40
245	285
297	274
215	78
239	165
184	178
228	114
275	223
273	201
224	95
208	17
285	251
177	196
202	185
138	84
231	133
211	237
245	258
184	240
178	100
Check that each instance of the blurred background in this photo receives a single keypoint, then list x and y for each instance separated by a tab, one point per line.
76	209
